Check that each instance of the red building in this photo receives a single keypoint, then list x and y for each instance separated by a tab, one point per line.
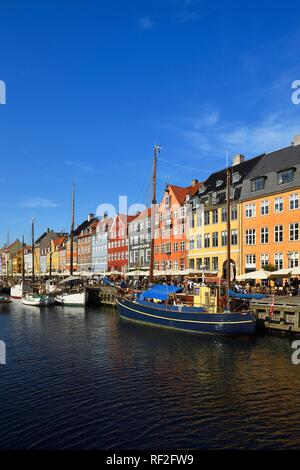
118	243
170	247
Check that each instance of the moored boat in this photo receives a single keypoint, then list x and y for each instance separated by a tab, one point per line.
75	299
37	300
149	310
4	299
18	290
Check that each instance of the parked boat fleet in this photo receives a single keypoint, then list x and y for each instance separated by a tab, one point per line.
54	294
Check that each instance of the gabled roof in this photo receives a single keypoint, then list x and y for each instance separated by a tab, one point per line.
181	193
59	240
142	215
278	160
84	225
219	177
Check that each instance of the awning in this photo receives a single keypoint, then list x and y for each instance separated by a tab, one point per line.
241	295
160	292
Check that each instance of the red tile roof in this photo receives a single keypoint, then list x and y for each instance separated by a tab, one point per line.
180	193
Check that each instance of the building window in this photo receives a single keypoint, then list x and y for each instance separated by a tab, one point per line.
192	264
258	184
264	207
182	246
250	261
286	176
206	240
250	211
293	259
294	201
175	247
279	260
192	243
214	263
206	218
264	235
224	238
181	229
215	216
294	232
215	239
264	260
278	233
182	212
278	204
199	241
207	263
234	237
224	214
175	264
199	263
251	236
199	216
234	213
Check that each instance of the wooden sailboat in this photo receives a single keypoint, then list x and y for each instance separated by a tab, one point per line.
147	310
75	299
17	291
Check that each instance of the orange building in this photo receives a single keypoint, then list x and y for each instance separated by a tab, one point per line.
170	249
271	211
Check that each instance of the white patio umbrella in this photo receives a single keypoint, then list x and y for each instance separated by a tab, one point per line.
281	273
256	275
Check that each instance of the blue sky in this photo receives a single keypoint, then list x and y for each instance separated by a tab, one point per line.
92	85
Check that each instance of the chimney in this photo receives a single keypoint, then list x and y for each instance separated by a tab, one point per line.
48	229
105	215
194	182
137	213
296	140
90	217
237	159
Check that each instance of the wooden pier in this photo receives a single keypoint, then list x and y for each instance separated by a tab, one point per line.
285	317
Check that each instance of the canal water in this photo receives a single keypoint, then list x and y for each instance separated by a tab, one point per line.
84	379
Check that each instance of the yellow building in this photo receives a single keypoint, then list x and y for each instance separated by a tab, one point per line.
53	253
207	220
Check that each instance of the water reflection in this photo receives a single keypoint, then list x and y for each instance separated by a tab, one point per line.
82	378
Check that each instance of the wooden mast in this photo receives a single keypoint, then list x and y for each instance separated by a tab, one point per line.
153	211
228	264
32	250
72	231
23	263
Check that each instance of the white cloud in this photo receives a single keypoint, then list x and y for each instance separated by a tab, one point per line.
145	23
211	135
38	202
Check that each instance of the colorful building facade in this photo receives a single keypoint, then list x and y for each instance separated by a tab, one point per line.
271	212
170	249
139	240
118	243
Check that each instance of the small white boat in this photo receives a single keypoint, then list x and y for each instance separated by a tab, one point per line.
76	299
37	300
17	291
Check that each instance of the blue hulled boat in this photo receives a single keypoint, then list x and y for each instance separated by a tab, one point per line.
183	318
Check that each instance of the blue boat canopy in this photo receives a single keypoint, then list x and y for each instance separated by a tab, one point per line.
240	295
160	292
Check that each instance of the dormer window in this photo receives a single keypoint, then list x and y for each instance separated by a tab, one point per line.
258	184
285	176
219	183
236	177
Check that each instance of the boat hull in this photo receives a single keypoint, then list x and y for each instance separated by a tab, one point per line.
37	301
77	299
17	291
232	324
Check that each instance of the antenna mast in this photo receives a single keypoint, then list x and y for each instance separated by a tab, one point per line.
153	211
